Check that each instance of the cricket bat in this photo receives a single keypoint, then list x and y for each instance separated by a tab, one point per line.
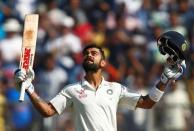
28	46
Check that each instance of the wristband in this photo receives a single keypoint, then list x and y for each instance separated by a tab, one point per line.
155	94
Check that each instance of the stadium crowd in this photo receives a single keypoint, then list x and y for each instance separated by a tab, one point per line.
126	29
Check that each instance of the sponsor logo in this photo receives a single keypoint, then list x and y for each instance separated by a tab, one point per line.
82	93
26	58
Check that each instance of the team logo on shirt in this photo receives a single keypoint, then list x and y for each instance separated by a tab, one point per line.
81	93
109	91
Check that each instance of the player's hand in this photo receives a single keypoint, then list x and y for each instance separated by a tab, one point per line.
22	75
25	77
172	72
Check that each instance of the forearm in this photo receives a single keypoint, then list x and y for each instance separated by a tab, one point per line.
44	108
149	100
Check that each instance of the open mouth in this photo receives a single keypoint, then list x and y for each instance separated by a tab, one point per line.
89	60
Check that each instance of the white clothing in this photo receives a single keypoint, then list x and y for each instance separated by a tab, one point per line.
66	44
25	7
11	48
176	108
47	85
132	6
95	110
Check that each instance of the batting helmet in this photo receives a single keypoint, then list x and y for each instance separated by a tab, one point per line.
174	44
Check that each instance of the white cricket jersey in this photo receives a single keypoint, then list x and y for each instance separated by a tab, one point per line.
94	110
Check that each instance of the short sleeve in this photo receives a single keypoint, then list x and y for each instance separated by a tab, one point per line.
128	99
61	101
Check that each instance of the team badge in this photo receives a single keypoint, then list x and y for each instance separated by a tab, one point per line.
109	91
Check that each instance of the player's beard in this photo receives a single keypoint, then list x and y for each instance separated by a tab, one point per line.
90	67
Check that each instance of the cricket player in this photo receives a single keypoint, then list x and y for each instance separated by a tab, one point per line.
93	99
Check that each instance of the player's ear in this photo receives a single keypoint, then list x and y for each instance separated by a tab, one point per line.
103	63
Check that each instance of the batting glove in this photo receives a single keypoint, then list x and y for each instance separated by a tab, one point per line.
172	72
21	76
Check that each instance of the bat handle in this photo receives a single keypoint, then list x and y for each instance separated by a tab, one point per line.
22	93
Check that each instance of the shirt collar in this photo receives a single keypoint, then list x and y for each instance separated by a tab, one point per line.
85	83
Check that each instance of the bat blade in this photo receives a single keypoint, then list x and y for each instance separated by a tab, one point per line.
28	45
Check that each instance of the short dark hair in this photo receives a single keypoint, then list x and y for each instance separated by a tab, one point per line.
94	46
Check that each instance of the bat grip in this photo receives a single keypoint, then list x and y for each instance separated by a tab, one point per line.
22	93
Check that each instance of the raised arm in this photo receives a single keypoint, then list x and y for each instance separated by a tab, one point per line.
45	109
155	94
146	102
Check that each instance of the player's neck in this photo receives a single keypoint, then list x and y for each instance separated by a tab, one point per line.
94	78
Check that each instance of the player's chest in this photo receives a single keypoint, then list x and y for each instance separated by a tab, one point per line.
91	98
